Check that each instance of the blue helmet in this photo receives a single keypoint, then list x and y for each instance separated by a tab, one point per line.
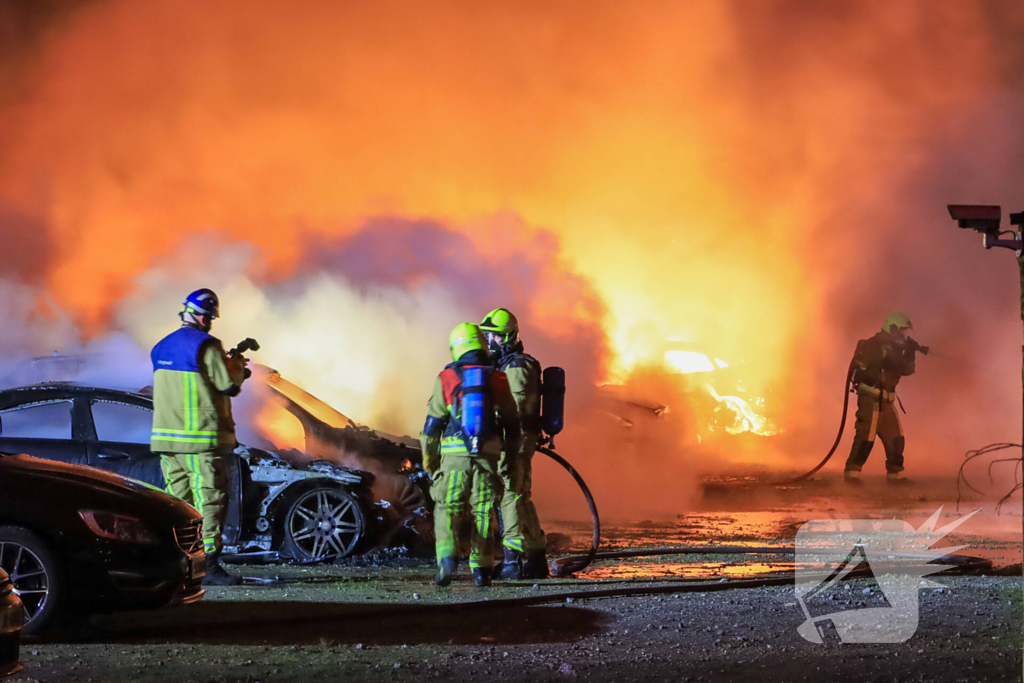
204	302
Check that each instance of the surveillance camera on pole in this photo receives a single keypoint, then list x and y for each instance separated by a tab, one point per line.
985	219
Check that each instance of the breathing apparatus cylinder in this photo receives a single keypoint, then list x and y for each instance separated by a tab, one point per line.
473	408
552	412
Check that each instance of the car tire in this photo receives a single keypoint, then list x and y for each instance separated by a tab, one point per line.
33	567
322	522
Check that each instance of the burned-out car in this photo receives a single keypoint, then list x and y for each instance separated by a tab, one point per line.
302	508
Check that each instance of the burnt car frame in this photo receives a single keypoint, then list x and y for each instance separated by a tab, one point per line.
315	512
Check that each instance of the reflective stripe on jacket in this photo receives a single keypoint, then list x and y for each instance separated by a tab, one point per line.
442	411
191	388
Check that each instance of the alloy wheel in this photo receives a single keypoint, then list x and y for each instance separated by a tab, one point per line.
325	523
28	574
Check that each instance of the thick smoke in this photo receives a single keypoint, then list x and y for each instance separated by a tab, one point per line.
764	181
364	322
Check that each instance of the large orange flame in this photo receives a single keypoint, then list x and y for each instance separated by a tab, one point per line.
754	177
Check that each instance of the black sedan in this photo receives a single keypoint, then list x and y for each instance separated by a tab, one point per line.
318	511
76	540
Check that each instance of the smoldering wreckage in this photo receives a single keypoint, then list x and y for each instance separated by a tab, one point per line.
350	491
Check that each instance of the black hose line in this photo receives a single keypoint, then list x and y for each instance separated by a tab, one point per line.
570	565
959	561
578	563
806	475
659	586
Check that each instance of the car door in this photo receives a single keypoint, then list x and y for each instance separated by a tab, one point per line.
120	441
44	429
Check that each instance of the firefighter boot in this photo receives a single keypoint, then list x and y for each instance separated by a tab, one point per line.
445	572
216	575
511	567
894	461
536	565
482	576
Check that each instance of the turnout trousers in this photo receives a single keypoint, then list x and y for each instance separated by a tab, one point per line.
465	485
201	480
521	525
877	416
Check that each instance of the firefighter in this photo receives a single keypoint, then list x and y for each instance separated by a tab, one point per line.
471	427
193	430
523	540
879	363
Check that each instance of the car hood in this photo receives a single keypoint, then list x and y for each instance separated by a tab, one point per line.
98	482
330	435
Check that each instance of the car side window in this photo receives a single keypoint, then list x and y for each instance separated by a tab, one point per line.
122	422
47	420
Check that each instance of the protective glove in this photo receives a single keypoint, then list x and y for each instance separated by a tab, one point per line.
237	368
912	345
505	464
431	463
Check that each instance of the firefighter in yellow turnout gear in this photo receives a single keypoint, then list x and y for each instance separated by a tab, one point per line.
525	543
193	429
467	469
879	363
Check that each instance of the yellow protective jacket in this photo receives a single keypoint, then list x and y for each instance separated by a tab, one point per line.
192	390
523	372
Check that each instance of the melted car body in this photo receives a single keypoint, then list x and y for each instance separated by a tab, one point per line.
313	510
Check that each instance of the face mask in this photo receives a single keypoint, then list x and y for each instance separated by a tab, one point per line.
198	320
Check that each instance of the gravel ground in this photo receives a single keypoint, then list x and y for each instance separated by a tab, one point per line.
379	618
341	623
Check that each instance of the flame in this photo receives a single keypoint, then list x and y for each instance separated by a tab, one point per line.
279	427
746	418
715	170
739	416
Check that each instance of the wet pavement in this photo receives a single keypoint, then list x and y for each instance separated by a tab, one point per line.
761	517
380	618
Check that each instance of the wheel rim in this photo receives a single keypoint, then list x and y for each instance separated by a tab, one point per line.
325	523
28	574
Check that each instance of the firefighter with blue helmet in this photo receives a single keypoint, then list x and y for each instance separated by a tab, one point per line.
471	427
193	429
523	539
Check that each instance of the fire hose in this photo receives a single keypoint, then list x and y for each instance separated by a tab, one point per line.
567	566
657	586
828	456
835	444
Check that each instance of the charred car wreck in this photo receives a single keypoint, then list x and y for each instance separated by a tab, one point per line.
303	506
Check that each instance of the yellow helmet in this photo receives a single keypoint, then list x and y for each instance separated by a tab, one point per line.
465	337
501	321
900	320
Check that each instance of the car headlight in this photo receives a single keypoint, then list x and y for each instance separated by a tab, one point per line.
118	527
